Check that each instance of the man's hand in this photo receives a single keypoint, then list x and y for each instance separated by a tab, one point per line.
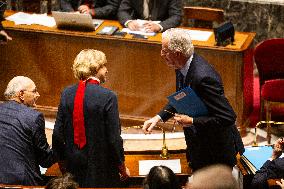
183	120
151	27
278	148
281	184
6	37
150	124
84	9
133	25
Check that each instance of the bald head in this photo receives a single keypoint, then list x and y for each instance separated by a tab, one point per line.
214	177
23	90
17	84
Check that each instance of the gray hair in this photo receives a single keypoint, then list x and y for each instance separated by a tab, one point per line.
179	40
17	84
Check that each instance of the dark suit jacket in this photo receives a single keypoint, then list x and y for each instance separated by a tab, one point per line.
96	165
2	10
270	170
166	11
23	145
213	138
104	9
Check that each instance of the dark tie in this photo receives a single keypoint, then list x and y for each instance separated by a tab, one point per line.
180	80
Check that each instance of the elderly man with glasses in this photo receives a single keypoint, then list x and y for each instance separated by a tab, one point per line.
23	142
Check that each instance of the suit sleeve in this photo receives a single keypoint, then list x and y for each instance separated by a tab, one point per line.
175	15
211	91
125	12
2	10
65	6
58	138
108	11
44	154
267	171
114	129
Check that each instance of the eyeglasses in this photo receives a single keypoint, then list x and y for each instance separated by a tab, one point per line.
33	91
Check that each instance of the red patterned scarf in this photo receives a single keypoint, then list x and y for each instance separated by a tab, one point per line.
78	113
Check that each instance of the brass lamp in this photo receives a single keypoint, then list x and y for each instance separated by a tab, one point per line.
164	153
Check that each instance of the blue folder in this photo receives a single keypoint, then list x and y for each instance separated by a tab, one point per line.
187	102
258	155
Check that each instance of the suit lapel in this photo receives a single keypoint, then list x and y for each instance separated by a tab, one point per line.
139	4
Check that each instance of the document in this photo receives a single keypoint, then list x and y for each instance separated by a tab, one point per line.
199	35
28	19
187	102
141	30
146	165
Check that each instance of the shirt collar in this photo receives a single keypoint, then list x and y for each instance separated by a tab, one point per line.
185	68
94	78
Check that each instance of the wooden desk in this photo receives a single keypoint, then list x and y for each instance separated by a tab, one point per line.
132	162
136	71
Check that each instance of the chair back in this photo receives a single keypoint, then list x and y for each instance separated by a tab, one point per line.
269	59
203	17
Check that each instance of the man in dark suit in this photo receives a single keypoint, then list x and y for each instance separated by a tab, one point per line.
273	168
23	143
168	12
210	139
4	37
87	130
101	9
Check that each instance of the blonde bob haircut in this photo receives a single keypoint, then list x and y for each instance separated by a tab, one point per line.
87	63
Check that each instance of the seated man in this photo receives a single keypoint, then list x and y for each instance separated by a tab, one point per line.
101	9
272	168
23	143
4	37
168	12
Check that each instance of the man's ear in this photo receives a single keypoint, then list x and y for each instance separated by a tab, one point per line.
21	96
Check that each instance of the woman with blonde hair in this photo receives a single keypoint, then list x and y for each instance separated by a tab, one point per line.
87	130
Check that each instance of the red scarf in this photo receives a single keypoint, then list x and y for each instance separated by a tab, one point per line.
78	113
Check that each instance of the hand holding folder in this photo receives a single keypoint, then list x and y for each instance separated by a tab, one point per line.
187	102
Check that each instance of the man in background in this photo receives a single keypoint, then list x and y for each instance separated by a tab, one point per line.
157	15
4	37
23	142
101	9
273	168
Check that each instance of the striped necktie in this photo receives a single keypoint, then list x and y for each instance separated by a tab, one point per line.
180	80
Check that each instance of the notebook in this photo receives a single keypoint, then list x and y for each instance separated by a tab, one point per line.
75	21
255	157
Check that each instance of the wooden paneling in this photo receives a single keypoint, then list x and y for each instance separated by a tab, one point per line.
136	71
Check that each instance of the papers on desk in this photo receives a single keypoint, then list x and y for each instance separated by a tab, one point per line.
42	170
199	35
138	32
141	30
28	19
146	165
